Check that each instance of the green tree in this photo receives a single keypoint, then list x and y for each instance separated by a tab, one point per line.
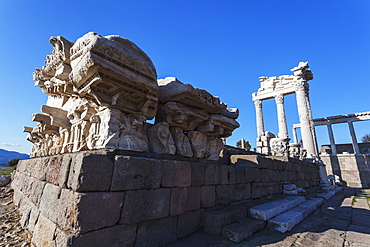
366	138
247	145
13	162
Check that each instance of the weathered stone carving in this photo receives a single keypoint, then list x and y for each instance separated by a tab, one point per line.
101	92
279	147
160	138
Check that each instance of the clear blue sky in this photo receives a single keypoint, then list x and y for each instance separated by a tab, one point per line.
221	46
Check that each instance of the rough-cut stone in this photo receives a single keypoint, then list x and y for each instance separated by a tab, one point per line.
156	232
4	180
44	232
90	172
118	235
53	170
212	174
214	220
136	173
142	205
176	173
242	229
193	201
188	223
207	196
197	174
179	197
98	210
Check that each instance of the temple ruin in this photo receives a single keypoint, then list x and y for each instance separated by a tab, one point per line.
102	174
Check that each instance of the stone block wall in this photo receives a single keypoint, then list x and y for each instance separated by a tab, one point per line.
85	199
353	169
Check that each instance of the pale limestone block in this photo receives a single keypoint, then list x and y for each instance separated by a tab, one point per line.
182	142
160	139
218	125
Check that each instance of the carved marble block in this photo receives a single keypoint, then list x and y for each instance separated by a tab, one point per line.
102	90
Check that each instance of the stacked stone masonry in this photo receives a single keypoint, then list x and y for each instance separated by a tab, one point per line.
85	199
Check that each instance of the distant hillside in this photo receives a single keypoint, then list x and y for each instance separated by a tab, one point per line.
6	155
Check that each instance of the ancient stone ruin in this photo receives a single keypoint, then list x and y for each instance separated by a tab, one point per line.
102	90
101	174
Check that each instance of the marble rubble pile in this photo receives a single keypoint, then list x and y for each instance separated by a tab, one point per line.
103	90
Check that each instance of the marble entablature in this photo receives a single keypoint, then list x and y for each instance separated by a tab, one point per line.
102	91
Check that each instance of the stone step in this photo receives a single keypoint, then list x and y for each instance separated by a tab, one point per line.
287	220
327	195
271	209
214	220
242	229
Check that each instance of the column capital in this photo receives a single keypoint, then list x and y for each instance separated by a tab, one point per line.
257	103
279	99
301	85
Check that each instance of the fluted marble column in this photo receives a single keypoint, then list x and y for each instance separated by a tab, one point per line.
305	118
283	129
331	138
259	117
356	149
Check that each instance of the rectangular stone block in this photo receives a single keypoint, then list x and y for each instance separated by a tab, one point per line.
256	190
97	210
193	201
188	223
156	232
197	174
90	172
118	235
136	173
227	174
207	196
271	209
53	170
39	167
240	174
224	193
242	229
214	220
176	173
265	175
212	174
179	197
143	205
64	170
43	234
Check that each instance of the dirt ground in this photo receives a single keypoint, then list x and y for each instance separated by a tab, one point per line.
11	232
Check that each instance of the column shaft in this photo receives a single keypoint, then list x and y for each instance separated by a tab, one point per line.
305	118
283	129
331	138
295	137
259	117
356	149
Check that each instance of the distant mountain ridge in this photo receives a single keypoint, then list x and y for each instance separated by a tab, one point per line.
6	155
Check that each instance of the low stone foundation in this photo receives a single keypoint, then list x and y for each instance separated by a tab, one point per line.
353	169
86	199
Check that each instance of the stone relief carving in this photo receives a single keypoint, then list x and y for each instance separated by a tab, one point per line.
102	90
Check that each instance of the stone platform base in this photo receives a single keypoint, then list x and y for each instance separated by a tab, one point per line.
86	199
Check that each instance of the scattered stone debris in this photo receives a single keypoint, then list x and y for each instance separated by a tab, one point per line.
11	232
